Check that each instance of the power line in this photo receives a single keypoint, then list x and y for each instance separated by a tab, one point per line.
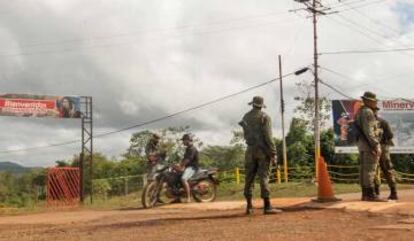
214	101
109	45
348	25
377	34
335	89
375	79
144	31
368	51
352	79
376	21
380	34
349	8
349	22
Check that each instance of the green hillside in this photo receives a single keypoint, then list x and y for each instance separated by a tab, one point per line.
12	167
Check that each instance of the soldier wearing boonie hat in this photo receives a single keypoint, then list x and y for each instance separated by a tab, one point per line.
369	147
260	152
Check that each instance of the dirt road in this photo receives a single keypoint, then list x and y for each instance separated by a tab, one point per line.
295	224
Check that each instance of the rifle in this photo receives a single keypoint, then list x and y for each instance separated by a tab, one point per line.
361	133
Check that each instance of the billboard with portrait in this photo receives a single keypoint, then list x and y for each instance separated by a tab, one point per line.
23	105
399	113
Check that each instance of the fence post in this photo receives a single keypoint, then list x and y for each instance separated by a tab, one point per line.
278	175
379	175
126	186
237	175
144	180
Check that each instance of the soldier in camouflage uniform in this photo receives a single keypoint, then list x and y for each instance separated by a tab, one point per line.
153	152
368	142
261	151
385	162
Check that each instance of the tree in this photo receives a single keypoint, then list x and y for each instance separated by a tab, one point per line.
299	143
223	157
306	108
328	145
170	142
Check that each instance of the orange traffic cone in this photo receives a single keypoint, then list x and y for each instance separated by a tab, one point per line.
325	190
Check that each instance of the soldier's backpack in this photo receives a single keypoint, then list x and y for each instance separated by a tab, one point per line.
252	138
353	133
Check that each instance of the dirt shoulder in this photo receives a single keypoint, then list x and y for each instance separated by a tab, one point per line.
301	220
198	225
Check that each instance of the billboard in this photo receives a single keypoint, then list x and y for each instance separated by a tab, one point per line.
399	113
22	105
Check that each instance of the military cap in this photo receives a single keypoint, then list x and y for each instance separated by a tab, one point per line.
369	96
258	102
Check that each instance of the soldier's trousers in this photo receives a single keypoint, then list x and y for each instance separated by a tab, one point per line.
256	162
368	167
386	167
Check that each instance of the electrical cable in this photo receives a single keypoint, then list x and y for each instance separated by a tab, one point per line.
368	51
214	101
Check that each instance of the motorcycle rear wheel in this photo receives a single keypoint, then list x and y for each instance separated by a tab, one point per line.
209	192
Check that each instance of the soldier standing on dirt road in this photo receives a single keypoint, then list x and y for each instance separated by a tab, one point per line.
385	162
369	147
261	151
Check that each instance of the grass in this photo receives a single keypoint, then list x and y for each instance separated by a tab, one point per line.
226	192
234	191
8	211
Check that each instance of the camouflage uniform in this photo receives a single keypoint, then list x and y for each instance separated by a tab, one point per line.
385	162
367	143
152	149
261	149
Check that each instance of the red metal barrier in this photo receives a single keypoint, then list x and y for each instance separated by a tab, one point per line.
63	186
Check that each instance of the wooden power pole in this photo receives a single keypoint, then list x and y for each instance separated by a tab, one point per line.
282	114
316	8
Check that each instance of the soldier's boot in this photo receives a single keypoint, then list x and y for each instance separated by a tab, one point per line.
267	208
249	207
393	195
364	194
371	197
377	190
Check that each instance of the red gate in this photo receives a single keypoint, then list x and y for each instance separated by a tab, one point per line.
63	186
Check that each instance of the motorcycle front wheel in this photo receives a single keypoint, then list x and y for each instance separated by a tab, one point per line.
149	195
155	193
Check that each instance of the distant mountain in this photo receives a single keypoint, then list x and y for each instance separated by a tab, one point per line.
12	167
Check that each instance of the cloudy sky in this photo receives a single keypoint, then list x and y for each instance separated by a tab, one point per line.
140	60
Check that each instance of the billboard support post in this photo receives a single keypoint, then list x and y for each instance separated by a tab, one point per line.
86	156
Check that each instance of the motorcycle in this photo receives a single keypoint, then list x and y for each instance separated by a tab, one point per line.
164	186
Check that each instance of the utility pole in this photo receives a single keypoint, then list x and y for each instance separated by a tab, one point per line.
282	114
316	80
315	8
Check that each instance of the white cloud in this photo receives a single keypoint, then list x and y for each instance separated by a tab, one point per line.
144	59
